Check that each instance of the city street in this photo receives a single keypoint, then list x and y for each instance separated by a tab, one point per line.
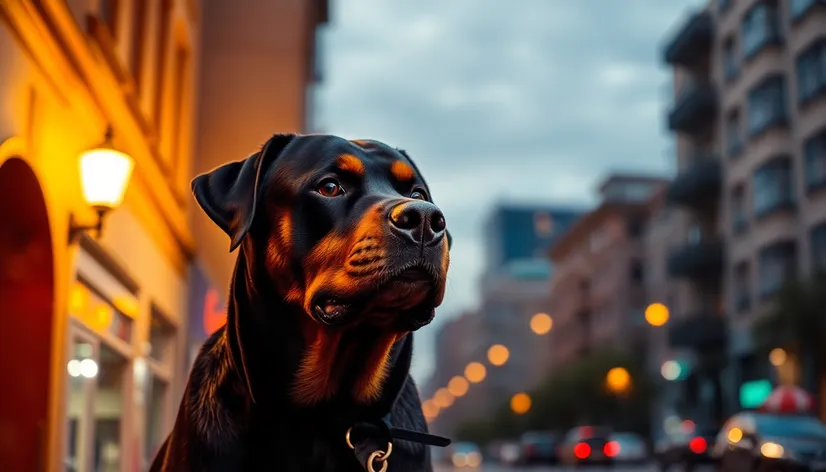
491	468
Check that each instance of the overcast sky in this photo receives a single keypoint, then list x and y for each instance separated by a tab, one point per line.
528	100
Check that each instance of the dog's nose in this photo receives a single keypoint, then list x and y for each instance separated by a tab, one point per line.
418	220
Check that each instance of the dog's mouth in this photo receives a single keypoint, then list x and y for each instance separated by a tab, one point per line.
404	296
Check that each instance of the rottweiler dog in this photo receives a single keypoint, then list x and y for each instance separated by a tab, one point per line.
343	254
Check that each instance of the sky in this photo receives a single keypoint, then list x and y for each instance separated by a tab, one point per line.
519	100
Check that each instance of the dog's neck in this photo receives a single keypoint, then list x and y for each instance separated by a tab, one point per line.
287	358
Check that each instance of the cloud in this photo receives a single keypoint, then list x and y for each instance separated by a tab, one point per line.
528	99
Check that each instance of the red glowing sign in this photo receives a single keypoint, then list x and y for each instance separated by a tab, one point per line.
215	315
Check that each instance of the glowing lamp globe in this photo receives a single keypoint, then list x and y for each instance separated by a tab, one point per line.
104	176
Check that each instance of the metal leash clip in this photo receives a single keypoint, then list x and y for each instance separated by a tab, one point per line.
376	456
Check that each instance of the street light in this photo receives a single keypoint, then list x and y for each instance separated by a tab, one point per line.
475	372
671	370
656	314
618	380
104	177
458	386
541	323
498	355
521	403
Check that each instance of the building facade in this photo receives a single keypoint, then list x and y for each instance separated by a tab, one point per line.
597	292
749	116
97	356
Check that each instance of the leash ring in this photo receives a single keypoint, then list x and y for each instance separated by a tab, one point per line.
347	438
377	455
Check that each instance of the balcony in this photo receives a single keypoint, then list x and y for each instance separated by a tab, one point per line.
701	332
692	41
695	107
698	184
703	259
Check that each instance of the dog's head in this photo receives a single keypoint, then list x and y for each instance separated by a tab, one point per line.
352	235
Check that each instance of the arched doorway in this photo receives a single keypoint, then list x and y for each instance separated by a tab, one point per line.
26	307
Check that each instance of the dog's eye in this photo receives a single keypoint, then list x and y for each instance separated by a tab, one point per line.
418	194
329	188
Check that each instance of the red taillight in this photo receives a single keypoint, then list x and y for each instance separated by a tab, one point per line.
697	445
582	451
611	449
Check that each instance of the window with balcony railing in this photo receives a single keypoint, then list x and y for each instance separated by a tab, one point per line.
811	71
778	264
773	186
761	27
767	104
742	287
731	66
734	140
814	156
739	215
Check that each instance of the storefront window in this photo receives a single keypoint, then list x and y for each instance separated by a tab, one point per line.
161	338
81	371
161	362
157	389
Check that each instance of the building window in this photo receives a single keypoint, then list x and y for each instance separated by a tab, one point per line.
767	104
734	142
814	155
761	27
742	287
739	216
811	71
730	63
818	248
798	8
772	187
777	265
637	272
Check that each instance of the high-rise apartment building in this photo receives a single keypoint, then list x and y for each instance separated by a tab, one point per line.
749	116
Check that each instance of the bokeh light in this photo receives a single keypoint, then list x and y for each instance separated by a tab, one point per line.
443	398
777	357
656	314
671	370
475	372
521	403
458	386
541	323
498	355
618	379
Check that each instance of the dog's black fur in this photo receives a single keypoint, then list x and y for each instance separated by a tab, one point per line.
265	393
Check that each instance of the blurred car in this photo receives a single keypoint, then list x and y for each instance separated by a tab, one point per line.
687	446
463	455
538	447
753	441
586	445
627	448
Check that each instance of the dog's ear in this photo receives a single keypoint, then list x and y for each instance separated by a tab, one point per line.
229	194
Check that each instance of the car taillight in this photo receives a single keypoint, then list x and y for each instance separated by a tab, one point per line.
582	451
697	445
611	449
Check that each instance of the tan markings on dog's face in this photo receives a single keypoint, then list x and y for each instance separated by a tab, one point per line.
279	251
402	171
350	163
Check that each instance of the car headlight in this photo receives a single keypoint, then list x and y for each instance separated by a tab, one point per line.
773	450
474	459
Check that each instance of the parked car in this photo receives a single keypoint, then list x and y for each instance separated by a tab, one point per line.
758	442
538	447
686	447
627	448
586	445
